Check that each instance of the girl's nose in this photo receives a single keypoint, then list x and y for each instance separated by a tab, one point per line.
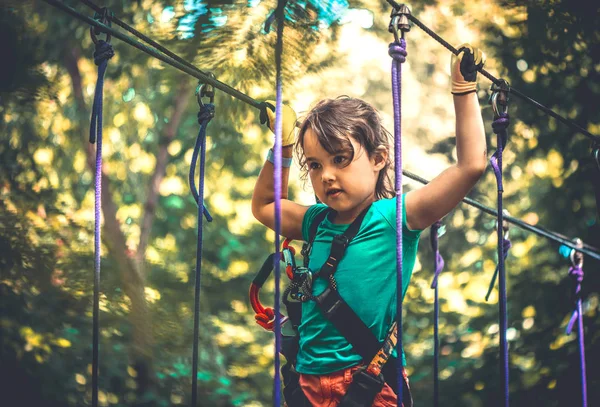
327	176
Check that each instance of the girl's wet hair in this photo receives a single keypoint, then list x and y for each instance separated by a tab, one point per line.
334	120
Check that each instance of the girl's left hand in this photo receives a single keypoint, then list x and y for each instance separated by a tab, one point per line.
464	67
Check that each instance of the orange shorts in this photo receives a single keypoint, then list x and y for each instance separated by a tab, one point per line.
328	390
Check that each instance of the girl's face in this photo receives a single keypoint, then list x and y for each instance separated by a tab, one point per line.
341	182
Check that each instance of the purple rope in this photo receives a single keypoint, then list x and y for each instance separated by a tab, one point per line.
397	50
576	273
438	262
104	51
277	173
500	125
507	245
207	112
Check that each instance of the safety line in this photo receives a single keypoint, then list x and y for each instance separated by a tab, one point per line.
195	72
497	81
591	251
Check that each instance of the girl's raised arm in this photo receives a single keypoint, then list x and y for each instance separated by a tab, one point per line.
263	198
435	200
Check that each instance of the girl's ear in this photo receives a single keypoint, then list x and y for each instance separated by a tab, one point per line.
380	157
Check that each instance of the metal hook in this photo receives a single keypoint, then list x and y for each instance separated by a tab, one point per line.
399	21
104	18
596	154
499	96
205	90
576	256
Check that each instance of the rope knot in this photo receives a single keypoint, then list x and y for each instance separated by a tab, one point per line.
206	113
104	51
576	273
501	123
397	50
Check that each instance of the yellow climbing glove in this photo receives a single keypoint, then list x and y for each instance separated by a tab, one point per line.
463	69
288	125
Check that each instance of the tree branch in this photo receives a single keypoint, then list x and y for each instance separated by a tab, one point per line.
182	100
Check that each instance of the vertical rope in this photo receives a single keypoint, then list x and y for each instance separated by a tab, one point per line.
206	113
499	125
102	54
438	263
277	149
576	273
397	51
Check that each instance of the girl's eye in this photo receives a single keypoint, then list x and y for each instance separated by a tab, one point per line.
313	166
339	159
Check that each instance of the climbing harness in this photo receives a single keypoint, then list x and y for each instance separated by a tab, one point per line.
436	230
499	102
369	379
399	25
576	274
103	52
205	115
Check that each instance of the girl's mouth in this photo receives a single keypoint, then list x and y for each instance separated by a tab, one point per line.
334	193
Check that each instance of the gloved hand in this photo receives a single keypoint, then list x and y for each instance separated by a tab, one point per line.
288	127
463	69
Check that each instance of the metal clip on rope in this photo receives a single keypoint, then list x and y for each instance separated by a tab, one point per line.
399	21
205	90
104	19
499	97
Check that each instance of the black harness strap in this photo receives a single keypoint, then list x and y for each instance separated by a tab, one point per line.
333	306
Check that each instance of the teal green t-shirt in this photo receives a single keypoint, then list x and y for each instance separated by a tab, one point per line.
366	279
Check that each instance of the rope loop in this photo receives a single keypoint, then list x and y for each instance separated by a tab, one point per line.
104	51
397	50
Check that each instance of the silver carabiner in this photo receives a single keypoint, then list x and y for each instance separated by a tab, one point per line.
576	256
104	19
494	102
205	90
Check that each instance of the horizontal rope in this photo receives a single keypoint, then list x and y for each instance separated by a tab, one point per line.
497	81
558	238
192	71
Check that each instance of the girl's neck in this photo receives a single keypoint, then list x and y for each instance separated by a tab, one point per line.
347	217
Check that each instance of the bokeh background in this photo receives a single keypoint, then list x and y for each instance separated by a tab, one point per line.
549	50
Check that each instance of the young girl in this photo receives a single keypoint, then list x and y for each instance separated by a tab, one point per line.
345	151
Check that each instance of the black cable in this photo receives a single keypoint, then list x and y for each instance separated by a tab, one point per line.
587	249
141	36
497	81
195	72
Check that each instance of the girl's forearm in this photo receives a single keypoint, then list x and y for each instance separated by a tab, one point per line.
470	135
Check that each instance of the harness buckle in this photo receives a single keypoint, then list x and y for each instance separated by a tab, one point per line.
363	389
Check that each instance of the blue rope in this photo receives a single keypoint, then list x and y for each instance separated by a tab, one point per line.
397	50
277	149
207	112
438	262
104	51
500	125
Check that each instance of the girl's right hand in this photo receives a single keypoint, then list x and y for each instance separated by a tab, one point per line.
288	128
